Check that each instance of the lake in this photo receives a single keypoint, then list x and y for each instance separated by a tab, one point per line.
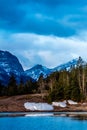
44	121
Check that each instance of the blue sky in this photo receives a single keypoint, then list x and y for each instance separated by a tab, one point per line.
48	32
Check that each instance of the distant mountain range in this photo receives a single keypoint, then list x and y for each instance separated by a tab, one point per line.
37	70
9	64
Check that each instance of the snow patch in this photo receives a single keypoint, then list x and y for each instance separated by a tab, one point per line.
59	104
64	103
72	102
84	103
47	107
38	106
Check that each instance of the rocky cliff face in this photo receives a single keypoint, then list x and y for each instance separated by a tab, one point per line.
9	64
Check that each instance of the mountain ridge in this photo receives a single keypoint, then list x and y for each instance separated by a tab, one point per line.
9	64
37	70
32	72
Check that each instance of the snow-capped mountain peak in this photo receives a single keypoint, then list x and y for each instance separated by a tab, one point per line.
67	66
9	64
37	70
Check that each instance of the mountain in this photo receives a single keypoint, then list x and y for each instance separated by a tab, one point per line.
37	70
67	66
3	76
9	64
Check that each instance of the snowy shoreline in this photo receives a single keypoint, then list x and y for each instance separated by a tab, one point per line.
33	106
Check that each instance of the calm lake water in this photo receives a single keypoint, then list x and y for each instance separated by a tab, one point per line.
43	121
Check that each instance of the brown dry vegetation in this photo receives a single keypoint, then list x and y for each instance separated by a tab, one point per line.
16	103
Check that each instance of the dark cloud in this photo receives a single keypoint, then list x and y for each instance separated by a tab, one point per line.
46	27
58	2
20	16
10	14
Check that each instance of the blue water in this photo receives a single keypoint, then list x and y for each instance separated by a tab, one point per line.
43	123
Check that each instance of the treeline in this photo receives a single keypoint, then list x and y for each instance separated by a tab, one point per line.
13	88
61	85
66	84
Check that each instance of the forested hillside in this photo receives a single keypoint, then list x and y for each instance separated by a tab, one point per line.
60	85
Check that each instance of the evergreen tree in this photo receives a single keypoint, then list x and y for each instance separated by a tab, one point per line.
12	86
21	87
41	84
1	89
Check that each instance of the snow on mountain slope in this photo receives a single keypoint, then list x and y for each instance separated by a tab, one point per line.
9	64
67	66
37	70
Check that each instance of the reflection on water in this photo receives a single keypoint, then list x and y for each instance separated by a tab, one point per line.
73	115
11	114
80	117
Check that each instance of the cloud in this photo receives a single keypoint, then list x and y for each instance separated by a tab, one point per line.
47	31
32	49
